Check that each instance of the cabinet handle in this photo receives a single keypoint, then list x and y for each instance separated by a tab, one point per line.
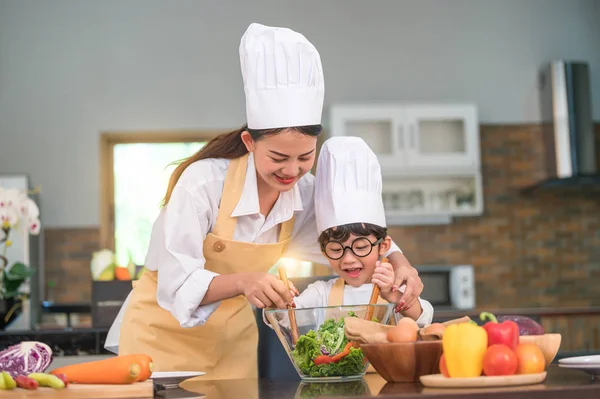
412	136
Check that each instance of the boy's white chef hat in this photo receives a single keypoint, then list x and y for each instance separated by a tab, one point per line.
283	78
348	184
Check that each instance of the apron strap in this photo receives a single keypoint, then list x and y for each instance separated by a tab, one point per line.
232	192
336	294
287	228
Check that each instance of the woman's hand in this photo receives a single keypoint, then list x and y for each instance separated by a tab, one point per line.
384	278
407	276
266	290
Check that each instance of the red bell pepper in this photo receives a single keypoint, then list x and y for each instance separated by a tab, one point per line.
324	359
505	333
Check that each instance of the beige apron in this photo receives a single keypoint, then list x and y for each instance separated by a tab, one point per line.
226	345
336	298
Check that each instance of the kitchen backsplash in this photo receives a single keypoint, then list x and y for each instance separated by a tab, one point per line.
540	249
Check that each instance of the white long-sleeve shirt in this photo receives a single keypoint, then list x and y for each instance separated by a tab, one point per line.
175	248
317	295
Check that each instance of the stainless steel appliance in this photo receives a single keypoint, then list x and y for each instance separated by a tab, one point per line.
566	111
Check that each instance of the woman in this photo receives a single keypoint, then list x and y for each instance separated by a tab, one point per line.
230	212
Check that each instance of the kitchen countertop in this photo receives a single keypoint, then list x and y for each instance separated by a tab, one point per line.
560	383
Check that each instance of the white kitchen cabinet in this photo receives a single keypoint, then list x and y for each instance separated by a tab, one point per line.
429	156
442	136
414	138
431	199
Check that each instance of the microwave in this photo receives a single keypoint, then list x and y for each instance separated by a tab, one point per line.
448	286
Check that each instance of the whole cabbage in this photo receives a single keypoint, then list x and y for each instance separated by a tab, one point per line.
25	358
526	325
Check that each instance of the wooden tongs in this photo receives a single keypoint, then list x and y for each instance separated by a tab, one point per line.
374	297
291	314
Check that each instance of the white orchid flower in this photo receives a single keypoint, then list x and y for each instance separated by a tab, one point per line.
34	226
17	208
9	216
9	197
28	207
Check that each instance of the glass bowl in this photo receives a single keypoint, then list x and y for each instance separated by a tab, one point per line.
322	352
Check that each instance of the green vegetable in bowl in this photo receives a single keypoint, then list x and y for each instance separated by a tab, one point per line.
327	353
347	388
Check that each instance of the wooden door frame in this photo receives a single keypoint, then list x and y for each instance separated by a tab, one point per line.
108	140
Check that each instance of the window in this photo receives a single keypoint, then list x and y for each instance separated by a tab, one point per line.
141	175
135	170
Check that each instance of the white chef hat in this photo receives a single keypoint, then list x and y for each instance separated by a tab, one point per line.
283	78
348	186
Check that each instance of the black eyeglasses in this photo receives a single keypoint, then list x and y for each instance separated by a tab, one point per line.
360	247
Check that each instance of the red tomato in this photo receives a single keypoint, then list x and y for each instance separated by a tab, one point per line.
531	359
499	359
443	367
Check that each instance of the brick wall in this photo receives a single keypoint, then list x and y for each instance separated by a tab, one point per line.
541	249
68	252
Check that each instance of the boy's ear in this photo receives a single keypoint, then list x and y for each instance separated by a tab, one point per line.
385	245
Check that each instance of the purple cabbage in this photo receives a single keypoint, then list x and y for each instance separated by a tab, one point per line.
25	358
324	350
526	325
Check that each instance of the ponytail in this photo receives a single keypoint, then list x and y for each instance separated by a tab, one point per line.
228	146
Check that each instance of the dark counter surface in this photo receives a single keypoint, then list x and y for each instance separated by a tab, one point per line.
560	383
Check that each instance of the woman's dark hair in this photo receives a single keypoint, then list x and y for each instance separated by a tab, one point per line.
230	146
341	233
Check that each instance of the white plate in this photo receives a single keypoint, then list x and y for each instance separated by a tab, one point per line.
176	374
593	369
594	360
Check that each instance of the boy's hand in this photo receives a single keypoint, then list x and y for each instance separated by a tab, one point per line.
408	283
384	277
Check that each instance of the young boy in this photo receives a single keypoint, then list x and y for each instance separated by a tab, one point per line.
353	235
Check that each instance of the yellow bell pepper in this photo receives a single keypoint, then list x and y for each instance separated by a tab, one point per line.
464	347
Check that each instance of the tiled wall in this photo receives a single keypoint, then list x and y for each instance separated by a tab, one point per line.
541	249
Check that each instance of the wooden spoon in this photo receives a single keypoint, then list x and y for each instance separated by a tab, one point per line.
291	313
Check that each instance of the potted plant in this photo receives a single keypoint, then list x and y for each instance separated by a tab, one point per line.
17	212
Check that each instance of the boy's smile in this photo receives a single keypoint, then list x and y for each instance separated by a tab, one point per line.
355	270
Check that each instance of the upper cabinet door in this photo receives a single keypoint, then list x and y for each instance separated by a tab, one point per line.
381	127
441	136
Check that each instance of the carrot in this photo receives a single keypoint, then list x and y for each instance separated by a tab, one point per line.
146	364
115	370
323	359
343	353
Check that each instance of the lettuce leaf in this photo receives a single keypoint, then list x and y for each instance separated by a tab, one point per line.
331	336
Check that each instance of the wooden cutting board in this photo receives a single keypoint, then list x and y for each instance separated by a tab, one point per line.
136	390
439	381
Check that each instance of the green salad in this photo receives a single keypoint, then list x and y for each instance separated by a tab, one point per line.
346	388
327	352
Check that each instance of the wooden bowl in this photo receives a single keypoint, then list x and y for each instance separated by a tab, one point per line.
404	362
548	343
